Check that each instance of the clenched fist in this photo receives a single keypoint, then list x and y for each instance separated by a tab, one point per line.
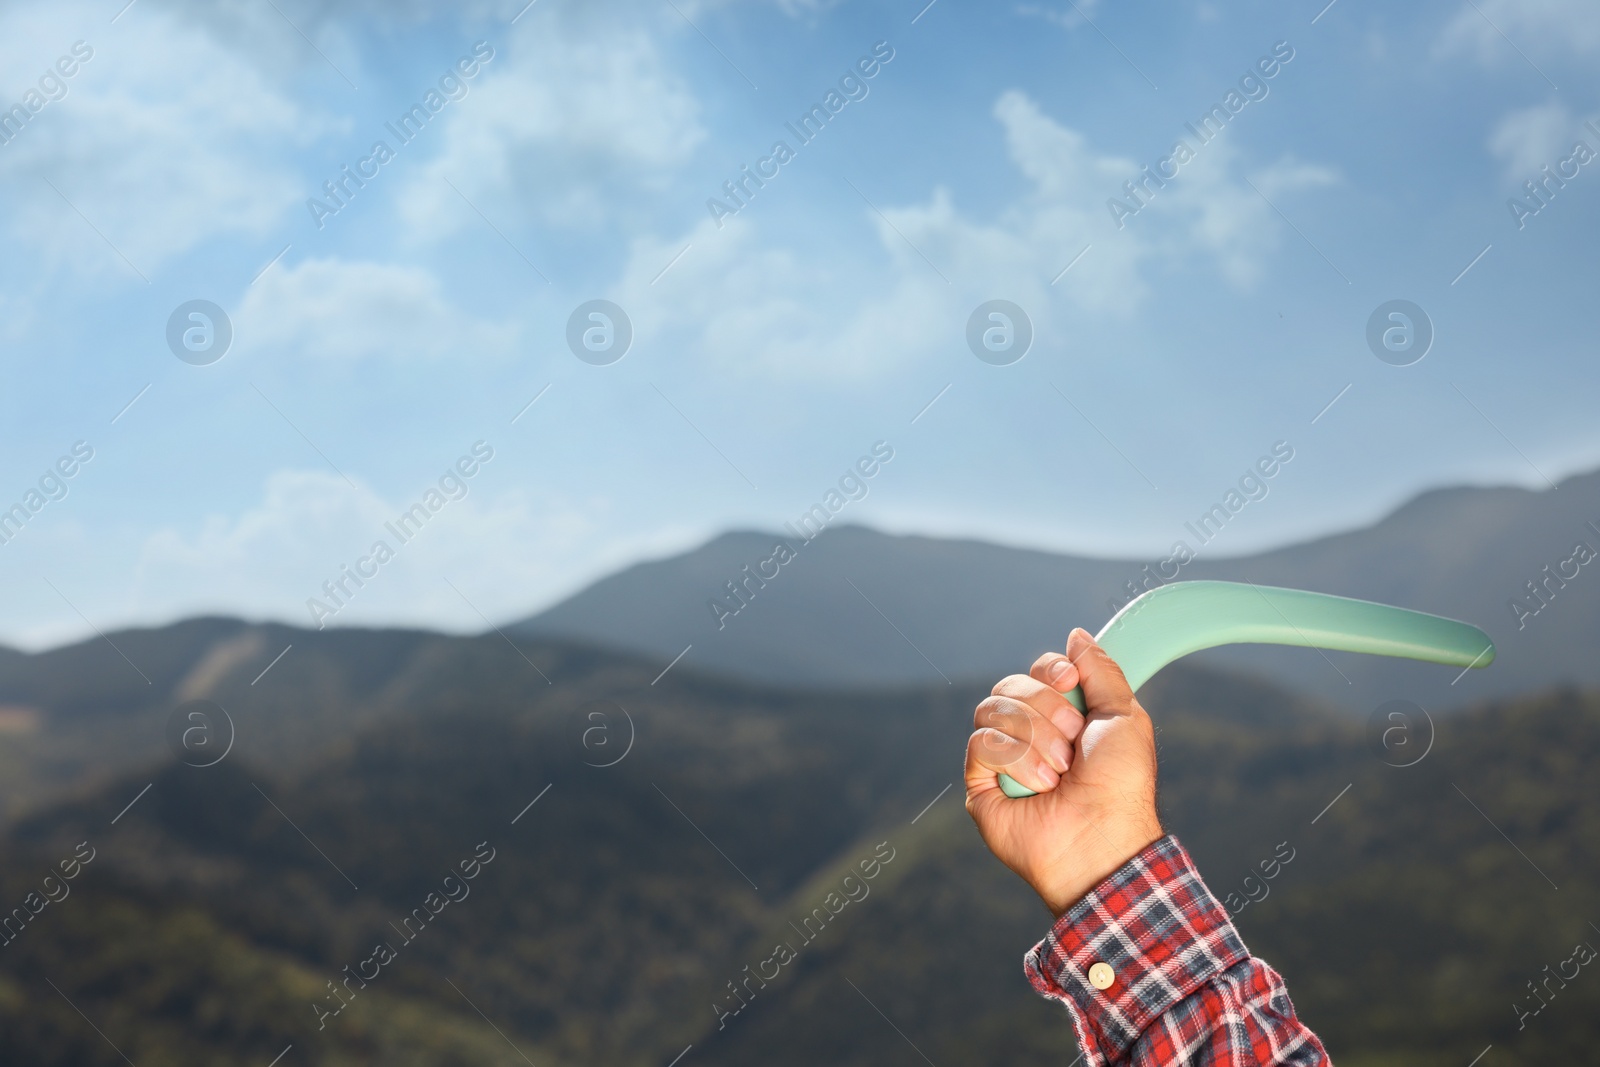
1095	773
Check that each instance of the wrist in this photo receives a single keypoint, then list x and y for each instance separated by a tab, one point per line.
1086	868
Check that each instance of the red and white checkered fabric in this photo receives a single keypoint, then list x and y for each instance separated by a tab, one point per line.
1185	991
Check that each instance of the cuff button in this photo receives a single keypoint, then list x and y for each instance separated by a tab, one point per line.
1101	976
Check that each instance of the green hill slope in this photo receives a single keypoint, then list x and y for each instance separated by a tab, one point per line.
616	910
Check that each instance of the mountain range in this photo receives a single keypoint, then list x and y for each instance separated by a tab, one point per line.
859	607
574	841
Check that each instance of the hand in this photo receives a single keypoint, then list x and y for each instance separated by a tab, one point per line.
1095	774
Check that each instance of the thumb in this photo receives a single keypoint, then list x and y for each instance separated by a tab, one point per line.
1105	687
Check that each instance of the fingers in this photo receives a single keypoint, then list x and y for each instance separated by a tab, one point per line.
1105	688
1045	698
1056	671
1016	738
1027	727
1026	723
990	752
1086	664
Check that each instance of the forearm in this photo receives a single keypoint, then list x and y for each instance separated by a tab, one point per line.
1181	988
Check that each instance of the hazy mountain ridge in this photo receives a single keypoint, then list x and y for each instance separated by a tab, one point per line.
860	607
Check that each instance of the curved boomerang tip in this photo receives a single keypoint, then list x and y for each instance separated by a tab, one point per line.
1174	620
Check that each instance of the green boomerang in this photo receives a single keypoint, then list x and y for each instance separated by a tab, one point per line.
1174	620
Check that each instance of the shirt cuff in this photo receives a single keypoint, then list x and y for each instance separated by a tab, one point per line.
1159	930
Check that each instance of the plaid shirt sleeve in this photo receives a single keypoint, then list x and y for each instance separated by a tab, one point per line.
1184	989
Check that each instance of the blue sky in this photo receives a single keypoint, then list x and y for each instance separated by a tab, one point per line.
770	351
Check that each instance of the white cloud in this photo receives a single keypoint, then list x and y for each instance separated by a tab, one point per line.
566	129
507	553
809	9
339	310
1226	219
163	140
766	312
752	309
1067	16
1540	25
1532	138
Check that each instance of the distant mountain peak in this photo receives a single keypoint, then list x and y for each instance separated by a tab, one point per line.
862	606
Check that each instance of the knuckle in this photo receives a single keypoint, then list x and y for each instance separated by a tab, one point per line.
1142	717
1015	685
974	748
986	708
1124	705
1070	721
